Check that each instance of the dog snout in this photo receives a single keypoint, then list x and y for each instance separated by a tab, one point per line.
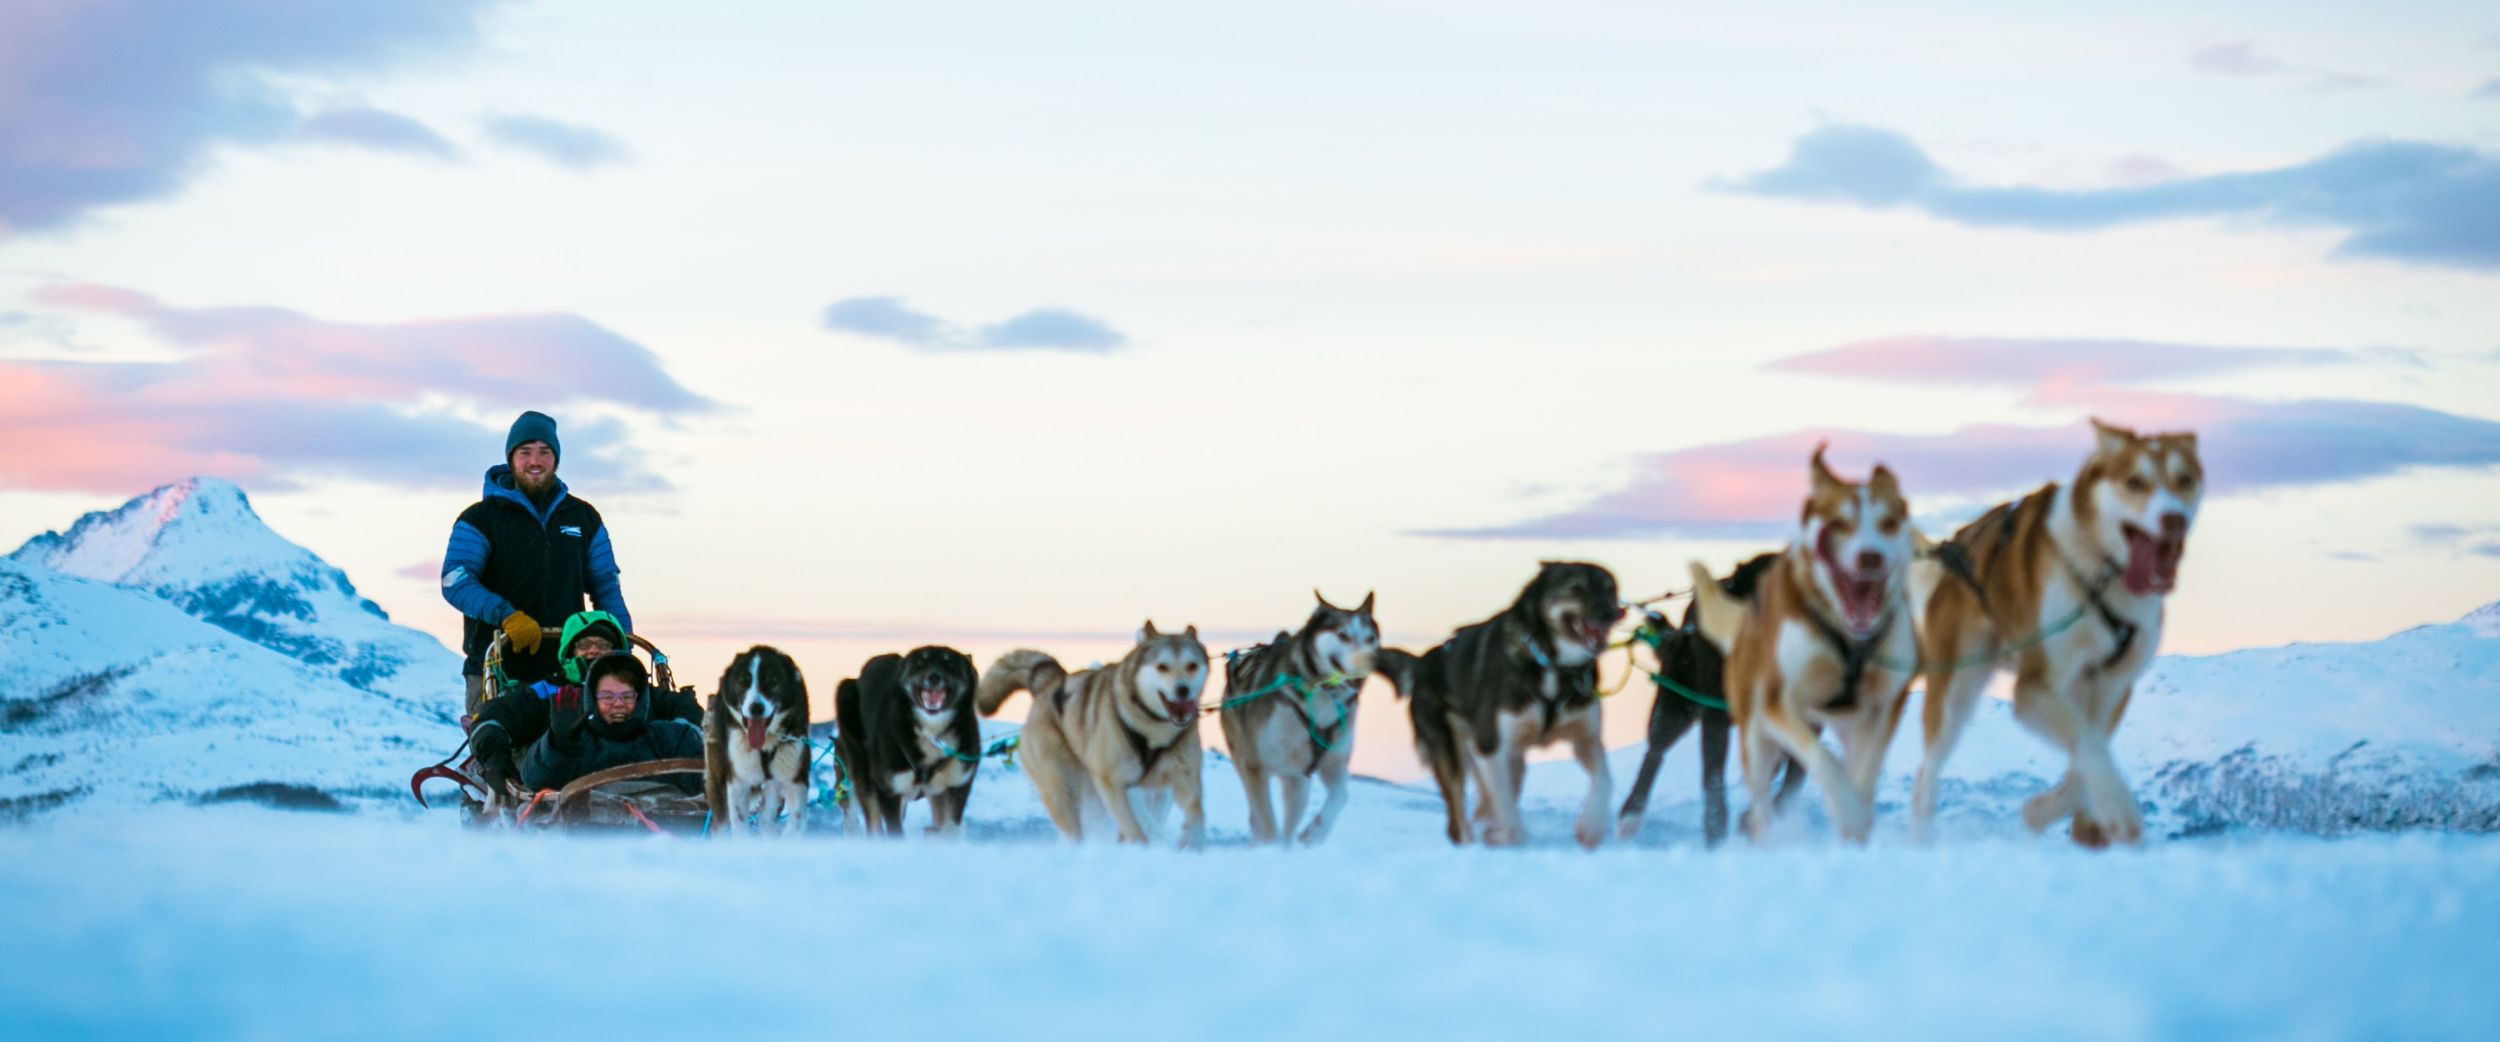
1870	561
2174	525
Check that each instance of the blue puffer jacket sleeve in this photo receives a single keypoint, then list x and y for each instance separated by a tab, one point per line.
606	592
463	560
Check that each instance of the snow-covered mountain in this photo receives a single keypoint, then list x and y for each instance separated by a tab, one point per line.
176	648
198	545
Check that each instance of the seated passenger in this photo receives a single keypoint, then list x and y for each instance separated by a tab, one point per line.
607	723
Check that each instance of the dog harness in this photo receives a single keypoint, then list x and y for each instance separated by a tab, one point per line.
1147	755
1545	664
2119	628
1854	655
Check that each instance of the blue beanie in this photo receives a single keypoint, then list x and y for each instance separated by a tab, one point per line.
532	426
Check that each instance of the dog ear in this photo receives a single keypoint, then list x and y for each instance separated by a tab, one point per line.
1149	632
1882	482
1323	599
1191	632
1823	477
2109	439
1365	608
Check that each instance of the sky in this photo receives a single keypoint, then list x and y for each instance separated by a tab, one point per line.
1001	324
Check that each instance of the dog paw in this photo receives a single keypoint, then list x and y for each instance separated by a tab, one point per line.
2087	834
1504	836
1590	832
1628	826
1856	826
2097	833
2045	809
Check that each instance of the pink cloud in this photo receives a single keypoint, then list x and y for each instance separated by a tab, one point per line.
274	397
1752	488
524	361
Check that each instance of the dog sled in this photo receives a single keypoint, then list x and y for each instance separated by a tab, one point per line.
638	795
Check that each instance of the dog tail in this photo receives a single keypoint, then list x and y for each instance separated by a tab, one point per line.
1019	670
1722	617
1399	667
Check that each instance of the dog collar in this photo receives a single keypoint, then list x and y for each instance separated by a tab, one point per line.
1543	661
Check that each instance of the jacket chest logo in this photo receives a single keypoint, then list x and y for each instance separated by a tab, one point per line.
571	530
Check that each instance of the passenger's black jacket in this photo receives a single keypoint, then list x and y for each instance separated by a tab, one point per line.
601	745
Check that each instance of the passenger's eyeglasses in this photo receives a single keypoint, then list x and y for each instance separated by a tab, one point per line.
617	698
588	647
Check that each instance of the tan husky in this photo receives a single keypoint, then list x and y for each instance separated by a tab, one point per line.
2065	588
1826	641
1124	736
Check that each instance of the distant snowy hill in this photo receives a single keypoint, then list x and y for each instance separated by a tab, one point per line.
177	648
198	545
2402	732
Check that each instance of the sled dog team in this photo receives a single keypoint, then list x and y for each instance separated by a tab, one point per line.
2063	588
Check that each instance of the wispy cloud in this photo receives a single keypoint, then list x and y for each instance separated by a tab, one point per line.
1055	329
377	129
2481	540
2022	361
280	397
2243	58
1751	488
1041	329
2407	201
566	144
105	103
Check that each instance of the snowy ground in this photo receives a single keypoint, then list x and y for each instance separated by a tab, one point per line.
237	922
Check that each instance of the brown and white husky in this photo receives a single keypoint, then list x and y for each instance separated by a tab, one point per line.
2064	588
1826	641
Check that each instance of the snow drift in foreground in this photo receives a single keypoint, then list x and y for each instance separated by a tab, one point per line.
173	923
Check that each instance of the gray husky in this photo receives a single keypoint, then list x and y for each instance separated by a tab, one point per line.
1289	713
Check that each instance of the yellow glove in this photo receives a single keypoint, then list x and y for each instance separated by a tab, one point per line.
522	632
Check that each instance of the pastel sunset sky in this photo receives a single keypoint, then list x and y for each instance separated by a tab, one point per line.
1008	324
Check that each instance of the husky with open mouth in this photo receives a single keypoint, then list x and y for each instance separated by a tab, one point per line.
2064	588
1289	714
908	732
1826	641
755	756
1122	738
1522	679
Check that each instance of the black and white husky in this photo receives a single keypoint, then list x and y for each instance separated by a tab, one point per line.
1288	713
908	733
755	744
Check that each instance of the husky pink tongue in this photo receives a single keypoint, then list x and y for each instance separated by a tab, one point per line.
1860	599
755	732
2152	564
933	699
